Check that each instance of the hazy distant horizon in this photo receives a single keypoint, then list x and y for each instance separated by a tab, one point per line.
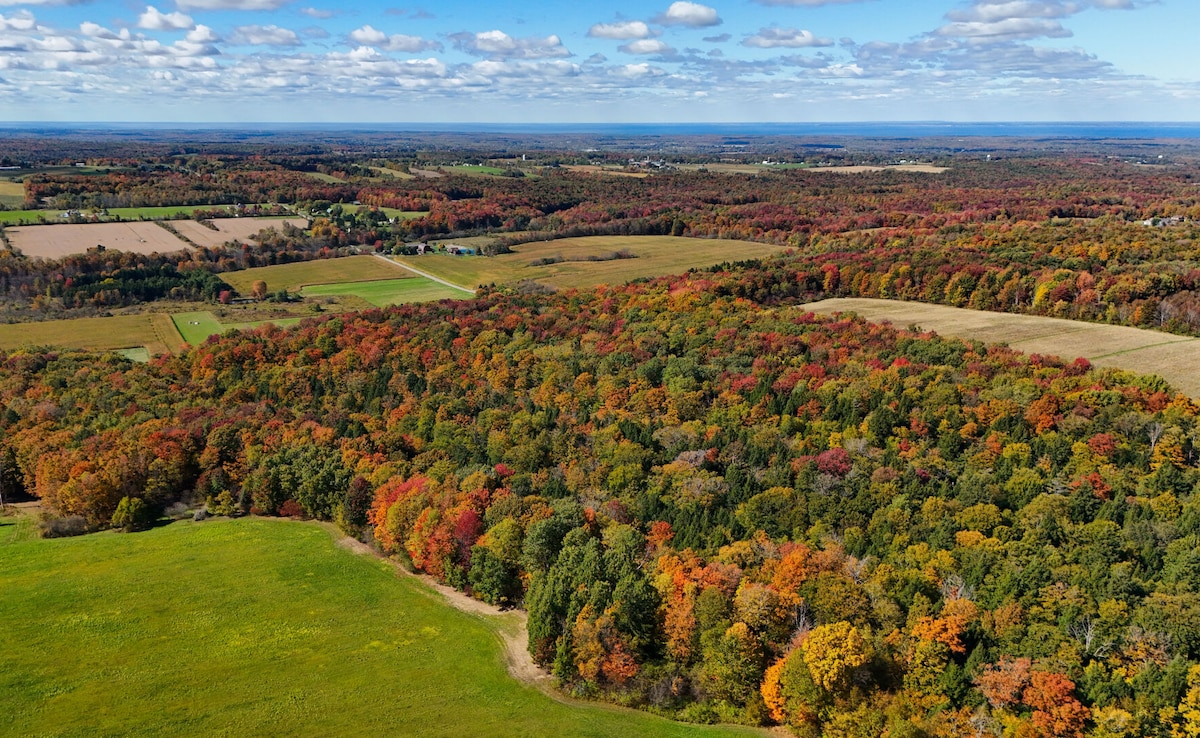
885	129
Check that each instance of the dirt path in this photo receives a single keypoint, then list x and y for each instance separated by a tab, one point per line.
426	275
510	625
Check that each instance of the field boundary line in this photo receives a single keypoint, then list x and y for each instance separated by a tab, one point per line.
424	274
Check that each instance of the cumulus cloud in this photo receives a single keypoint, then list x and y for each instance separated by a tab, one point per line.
202	34
317	13
229	4
720	39
692	15
263	36
499	45
647	46
791	38
397	42
22	20
621	30
155	20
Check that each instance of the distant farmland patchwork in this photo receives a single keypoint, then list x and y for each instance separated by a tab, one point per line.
143	237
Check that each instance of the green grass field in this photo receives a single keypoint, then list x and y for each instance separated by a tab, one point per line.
328	178
18	217
256	628
154	334
388	291
656	256
196	327
292	277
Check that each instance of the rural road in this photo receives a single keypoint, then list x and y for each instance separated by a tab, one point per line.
1172	357
426	275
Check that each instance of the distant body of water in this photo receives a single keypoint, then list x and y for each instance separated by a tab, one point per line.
1126	130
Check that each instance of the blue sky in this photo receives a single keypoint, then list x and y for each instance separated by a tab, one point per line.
615	61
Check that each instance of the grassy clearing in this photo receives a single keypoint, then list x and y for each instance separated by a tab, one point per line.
1173	358
474	169
328	178
387	291
292	277
256	627
152	333
196	327
389	212
26	217
12	194
656	256
393	173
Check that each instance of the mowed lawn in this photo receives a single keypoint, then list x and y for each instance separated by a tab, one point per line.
1172	357
196	327
292	277
388	291
255	628
656	256
155	333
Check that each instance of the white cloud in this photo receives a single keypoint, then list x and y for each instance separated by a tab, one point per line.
791	38
647	46
397	42
499	45
317	13
621	30
229	4
155	20
263	36
202	34
693	15
22	20
637	71
1007	29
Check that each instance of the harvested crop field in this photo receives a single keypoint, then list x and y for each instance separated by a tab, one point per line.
230	229
1171	357
56	241
155	333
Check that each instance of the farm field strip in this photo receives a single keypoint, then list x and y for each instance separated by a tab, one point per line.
1173	358
656	256
258	627
95	334
381	293
299	274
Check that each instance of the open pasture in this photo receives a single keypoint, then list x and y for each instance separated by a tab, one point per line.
387	291
258	627
56	241
655	256
196	327
153	333
292	277
230	229
1171	357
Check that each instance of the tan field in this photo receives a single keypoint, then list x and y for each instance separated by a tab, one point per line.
593	169
859	169
655	256
55	241
155	332
1172	357
230	229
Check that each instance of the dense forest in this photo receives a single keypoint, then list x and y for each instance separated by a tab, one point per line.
711	503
